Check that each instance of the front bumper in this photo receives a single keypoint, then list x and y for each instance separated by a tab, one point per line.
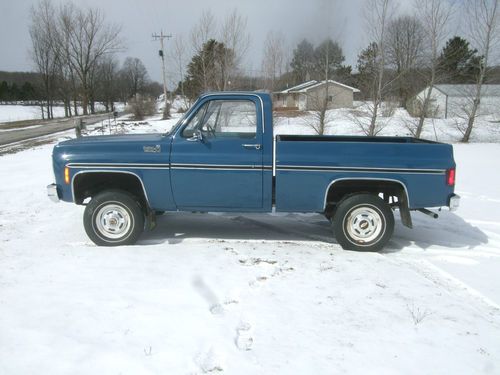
53	193
454	202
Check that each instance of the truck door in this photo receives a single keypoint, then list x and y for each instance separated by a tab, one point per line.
216	158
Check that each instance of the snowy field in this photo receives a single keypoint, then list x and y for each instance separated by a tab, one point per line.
248	294
20	112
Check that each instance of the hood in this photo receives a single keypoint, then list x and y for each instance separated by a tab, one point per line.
110	139
133	148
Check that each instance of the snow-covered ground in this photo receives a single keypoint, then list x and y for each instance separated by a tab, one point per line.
247	294
21	112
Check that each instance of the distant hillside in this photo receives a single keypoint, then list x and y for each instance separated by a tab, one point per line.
16	86
19	78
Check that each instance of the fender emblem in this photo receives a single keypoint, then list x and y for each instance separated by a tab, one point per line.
156	148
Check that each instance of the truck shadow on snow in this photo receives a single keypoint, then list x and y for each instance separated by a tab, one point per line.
173	228
450	231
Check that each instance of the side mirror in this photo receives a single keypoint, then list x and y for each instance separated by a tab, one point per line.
197	136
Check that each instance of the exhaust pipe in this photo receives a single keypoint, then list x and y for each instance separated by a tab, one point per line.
428	213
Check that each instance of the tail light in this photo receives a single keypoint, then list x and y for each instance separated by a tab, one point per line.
450	177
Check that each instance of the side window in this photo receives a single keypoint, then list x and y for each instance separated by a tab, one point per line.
221	118
237	118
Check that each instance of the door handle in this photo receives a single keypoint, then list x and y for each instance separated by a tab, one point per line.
255	146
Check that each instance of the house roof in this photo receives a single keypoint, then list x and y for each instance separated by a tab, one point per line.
299	87
306	86
461	91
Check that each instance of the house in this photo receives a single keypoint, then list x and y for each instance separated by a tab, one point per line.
310	95
456	100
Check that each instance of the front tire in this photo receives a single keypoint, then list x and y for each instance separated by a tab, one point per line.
113	218
363	222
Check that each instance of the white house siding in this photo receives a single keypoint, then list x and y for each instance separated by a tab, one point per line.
306	96
438	102
342	97
303	102
459	106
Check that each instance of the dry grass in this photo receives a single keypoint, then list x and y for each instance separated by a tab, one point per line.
288	113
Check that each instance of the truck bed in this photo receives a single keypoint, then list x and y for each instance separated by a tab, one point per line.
306	166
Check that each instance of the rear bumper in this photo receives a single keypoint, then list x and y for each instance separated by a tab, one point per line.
53	193
454	202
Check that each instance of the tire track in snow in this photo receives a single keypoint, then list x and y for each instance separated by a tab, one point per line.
484	198
442	279
262	224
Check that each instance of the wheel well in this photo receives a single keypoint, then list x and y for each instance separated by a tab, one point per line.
393	192
88	184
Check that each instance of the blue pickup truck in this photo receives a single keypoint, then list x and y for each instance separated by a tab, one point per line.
222	157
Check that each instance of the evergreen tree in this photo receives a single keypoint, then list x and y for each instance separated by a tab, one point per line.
327	53
368	68
208	69
303	62
27	92
344	75
459	63
4	91
14	92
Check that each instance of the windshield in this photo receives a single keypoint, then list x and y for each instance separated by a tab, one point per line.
181	120
177	124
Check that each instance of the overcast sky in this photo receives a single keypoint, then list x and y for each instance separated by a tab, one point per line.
139	19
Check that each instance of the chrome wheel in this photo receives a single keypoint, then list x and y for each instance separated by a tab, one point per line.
364	225
113	221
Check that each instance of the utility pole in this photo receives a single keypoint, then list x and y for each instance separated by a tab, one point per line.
161	37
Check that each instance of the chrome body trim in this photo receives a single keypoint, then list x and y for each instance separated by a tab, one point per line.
111	166
220	169
274	155
235	93
454	202
119	165
52	193
358	169
107	171
365	179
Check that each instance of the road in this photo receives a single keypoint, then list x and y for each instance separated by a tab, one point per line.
47	128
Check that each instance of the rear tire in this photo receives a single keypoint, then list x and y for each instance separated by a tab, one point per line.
363	222
113	218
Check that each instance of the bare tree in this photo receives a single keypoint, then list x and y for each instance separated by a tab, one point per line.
327	59
134	75
274	60
319	103
378	15
107	76
236	39
45	53
405	36
434	16
482	19
63	36
178	56
89	37
200	34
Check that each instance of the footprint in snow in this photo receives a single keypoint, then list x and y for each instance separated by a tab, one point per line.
244	337
217	309
209	361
